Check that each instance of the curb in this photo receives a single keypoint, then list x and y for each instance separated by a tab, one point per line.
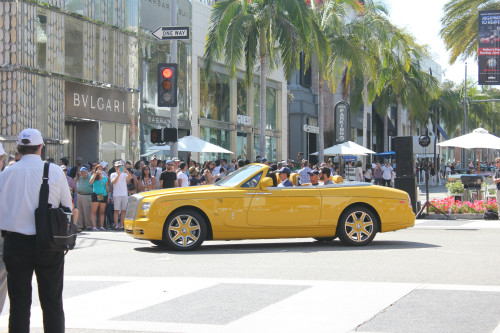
455	216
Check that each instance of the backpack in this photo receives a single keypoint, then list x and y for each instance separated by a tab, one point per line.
490	215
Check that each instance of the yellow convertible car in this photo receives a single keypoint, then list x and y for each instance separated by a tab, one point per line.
245	205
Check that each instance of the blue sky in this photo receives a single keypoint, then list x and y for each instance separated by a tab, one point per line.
423	19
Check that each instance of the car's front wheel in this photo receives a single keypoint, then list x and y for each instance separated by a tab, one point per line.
185	230
357	226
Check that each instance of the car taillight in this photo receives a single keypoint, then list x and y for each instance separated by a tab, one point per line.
409	201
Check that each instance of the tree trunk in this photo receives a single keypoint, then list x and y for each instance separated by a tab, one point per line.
321	119
400	117
366	108
386	135
263	109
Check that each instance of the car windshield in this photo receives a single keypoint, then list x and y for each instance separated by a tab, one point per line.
235	178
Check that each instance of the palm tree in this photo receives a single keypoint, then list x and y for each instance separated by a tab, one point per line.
460	29
357	55
328	17
265	32
411	87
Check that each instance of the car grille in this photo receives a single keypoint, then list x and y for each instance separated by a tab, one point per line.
133	203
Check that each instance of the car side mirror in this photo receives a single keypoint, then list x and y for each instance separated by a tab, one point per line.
266	182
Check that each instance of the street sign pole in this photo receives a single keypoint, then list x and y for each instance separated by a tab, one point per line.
174	113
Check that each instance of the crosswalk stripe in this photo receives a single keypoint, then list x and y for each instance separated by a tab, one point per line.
326	306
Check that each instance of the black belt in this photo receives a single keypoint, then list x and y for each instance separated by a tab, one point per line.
84	193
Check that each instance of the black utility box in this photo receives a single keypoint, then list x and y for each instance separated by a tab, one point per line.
472	182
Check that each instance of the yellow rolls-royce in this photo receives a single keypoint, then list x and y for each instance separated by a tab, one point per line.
246	205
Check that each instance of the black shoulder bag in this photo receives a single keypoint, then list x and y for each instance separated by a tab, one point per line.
54	229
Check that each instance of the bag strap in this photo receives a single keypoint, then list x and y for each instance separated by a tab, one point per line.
43	200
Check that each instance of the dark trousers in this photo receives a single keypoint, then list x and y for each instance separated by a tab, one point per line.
21	259
386	182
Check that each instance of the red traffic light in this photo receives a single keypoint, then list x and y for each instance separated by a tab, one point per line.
167	73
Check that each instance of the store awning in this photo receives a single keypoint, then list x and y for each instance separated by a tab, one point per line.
443	133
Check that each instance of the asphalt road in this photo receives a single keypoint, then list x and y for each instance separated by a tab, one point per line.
440	276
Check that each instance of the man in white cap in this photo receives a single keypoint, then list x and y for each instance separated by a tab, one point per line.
19	194
119	180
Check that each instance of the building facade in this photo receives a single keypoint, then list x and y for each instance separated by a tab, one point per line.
84	72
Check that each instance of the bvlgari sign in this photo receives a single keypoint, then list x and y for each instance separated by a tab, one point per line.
83	101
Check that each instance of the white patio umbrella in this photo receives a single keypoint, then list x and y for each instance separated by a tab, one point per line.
112	146
195	145
346	148
478	138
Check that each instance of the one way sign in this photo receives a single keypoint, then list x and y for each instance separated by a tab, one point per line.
163	33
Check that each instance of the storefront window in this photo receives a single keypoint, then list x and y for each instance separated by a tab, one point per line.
271	107
73	46
214	96
271	148
241	146
114	142
41	39
183	95
217	137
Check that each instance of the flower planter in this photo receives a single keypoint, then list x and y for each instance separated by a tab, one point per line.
468	216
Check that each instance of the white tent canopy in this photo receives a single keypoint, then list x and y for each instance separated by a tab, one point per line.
346	148
478	138
194	145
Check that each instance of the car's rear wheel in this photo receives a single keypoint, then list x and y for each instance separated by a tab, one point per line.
357	226
324	239
184	230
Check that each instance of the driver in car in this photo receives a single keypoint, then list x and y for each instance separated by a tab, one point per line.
284	174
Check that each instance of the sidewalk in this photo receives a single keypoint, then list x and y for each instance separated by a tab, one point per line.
435	192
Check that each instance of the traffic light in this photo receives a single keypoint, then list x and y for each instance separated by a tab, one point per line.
156	135
170	134
167	84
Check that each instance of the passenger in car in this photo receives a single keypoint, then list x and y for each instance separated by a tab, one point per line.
284	173
314	177
324	175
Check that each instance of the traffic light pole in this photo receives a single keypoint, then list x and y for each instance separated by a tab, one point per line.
174	113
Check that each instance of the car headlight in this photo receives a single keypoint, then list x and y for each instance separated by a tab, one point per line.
145	206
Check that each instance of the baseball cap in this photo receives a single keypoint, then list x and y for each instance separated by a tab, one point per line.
103	164
2	152
170	161
314	172
285	170
118	163
31	137
153	157
175	159
83	169
264	160
284	163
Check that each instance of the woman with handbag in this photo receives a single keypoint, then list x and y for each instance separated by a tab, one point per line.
100	192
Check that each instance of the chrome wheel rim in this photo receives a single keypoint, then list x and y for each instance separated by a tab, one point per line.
184	230
359	226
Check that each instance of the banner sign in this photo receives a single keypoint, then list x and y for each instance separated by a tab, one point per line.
489	47
341	122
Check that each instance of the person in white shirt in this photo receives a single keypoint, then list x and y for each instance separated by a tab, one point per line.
155	170
119	180
19	195
3	271
387	174
182	178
